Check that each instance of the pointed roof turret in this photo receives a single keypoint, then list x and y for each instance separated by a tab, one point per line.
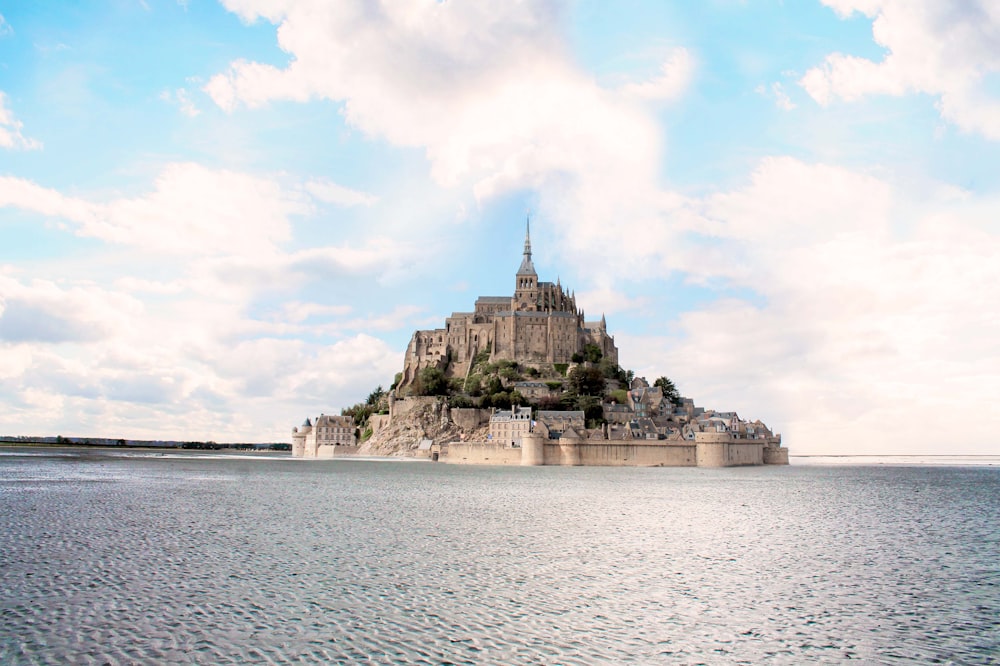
604	322
527	267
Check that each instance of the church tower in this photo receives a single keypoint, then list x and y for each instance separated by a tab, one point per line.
526	291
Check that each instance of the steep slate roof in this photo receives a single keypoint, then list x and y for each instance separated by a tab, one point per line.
556	415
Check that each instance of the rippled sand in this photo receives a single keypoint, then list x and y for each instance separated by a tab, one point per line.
215	560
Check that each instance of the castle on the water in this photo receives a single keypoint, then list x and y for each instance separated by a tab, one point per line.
543	360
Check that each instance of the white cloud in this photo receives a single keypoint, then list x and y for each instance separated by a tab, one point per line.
298	312
872	326
672	81
181	98
192	210
44	311
489	93
202	248
777	91
99	362
240	219
607	301
330	192
937	47
10	127
5	27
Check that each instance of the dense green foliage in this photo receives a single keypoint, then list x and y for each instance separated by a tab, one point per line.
432	381
375	396
592	353
491	385
586	381
359	412
670	391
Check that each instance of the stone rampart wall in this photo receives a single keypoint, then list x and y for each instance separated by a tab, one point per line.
716	452
378	421
328	451
744	453
470	418
641	455
407	405
482	454
775	456
711	453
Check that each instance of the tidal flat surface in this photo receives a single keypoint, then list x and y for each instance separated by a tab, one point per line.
210	559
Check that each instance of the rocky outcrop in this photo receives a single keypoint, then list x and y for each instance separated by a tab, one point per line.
404	432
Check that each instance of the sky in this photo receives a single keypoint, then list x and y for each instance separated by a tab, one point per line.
220	217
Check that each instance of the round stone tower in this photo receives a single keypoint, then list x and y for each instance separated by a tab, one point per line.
569	447
712	449
532	449
299	438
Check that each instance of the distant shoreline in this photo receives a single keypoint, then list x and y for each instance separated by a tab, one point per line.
896	455
976	459
137	444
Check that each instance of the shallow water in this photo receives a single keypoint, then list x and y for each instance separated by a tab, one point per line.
213	559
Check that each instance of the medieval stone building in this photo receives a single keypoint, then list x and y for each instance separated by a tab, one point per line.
539	325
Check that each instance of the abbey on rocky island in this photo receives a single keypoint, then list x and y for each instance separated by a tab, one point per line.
539	325
527	380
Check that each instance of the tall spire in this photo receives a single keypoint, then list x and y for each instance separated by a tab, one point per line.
527	267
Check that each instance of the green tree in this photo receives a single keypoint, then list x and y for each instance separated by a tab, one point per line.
620	396
510	374
482	357
592	410
586	381
359	412
499	400
433	381
493	386
474	385
670	391
375	396
610	369
460	401
592	353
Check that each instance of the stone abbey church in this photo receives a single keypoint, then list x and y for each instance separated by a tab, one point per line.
539	325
